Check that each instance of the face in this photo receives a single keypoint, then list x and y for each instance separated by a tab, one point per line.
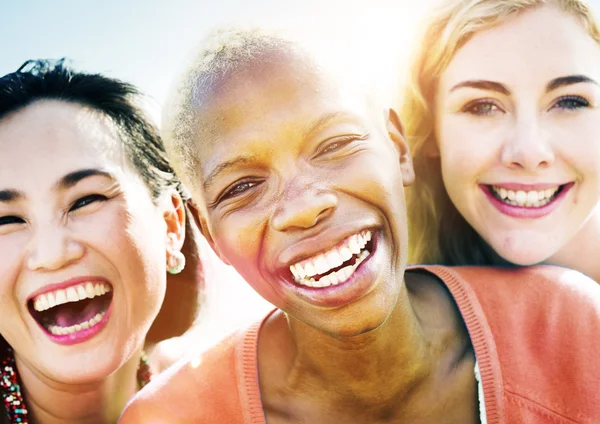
303	194
518	128
82	274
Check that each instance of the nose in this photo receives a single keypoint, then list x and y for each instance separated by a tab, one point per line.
52	248
303	209
528	148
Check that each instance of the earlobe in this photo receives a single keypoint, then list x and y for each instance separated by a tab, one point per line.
397	135
202	225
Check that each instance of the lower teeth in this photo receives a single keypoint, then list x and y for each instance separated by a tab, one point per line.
340	276
61	331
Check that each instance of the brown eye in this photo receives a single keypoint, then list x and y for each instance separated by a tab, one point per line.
238	189
481	108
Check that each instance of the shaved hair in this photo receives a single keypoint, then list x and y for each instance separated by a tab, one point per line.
223	55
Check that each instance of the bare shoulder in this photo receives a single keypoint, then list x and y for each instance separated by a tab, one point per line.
166	399
194	390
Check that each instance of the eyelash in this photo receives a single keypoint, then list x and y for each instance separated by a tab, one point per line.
472	106
233	192
87	200
340	142
575	102
78	204
579	101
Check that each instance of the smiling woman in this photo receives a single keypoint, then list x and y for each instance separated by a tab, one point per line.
91	218
502	113
306	201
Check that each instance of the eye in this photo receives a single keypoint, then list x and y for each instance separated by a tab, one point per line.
571	102
238	189
7	220
481	108
87	200
340	142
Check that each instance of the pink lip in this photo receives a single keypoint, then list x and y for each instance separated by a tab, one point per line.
79	336
358	285
525	187
523	212
65	284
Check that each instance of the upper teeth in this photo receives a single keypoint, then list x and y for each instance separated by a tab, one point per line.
330	259
535	198
76	293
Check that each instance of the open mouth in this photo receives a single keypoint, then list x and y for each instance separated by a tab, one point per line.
526	199
336	265
73	309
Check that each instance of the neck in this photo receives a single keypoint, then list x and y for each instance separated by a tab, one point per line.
581	252
378	371
99	402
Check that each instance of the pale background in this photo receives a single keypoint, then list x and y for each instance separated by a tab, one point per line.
145	42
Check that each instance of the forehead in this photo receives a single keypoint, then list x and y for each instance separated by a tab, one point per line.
267	103
52	138
531	48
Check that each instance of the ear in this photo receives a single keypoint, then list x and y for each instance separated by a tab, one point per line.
396	133
203	227
174	216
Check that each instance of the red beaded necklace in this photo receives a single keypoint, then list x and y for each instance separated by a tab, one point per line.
12	397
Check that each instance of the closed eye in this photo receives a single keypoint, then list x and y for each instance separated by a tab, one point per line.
87	200
7	220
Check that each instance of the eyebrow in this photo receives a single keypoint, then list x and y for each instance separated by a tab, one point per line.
319	123
68	181
226	166
72	178
482	85
568	80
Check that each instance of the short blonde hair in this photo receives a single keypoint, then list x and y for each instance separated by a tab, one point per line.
438	233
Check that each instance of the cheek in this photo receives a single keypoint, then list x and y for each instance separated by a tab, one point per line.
468	149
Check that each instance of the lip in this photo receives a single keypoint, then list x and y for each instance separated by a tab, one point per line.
80	336
360	283
523	212
66	284
321	242
525	187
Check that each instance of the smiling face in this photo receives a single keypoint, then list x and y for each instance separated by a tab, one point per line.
82	244
518	129
302	189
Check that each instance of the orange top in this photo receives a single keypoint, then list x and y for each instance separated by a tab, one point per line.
535	332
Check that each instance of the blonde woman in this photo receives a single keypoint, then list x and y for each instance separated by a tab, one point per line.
502	113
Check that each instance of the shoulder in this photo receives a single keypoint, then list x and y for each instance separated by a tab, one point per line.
545	328
195	390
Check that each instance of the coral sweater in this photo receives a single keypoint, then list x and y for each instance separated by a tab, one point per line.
535	332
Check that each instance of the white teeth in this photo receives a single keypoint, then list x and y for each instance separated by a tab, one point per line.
321	264
61	331
523	198
334	259
345	253
71	294
354	245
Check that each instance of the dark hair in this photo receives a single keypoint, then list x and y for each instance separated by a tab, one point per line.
38	80
53	80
